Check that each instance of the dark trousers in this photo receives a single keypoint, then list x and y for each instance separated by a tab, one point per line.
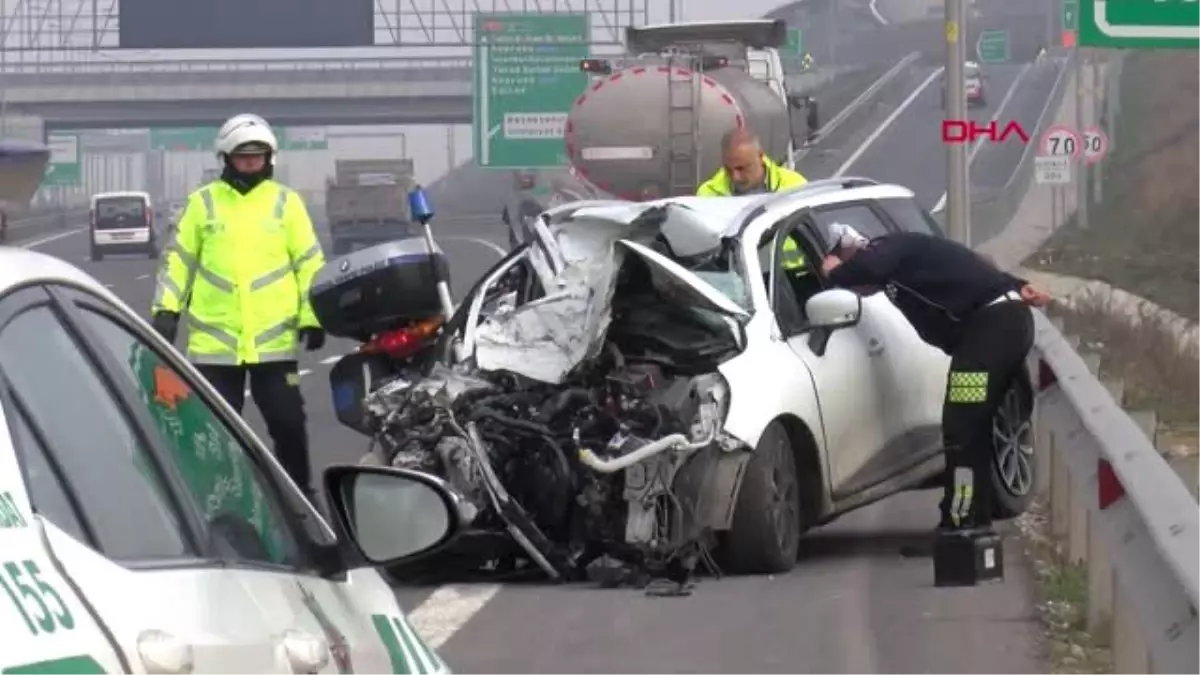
995	341
275	387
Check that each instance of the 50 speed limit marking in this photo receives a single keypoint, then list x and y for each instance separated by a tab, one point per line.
1061	141
1095	145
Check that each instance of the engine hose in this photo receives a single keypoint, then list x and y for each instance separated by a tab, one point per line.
561	401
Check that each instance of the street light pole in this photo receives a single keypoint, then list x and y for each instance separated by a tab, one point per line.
958	207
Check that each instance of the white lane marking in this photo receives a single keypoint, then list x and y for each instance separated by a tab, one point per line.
887	123
331	360
859	100
142	276
500	250
1012	89
875	13
54	237
448	609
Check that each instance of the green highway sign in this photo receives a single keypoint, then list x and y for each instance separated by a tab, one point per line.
992	46
795	42
1070	15
526	77
184	139
64	168
1139	24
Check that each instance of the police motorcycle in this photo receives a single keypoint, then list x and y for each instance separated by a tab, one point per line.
394	300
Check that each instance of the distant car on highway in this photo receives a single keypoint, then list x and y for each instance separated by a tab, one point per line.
122	222
144	527
975	84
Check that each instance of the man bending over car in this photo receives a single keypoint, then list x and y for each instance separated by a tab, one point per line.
977	314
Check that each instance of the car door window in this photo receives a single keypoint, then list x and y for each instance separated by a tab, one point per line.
227	486
129	509
859	216
42	478
910	217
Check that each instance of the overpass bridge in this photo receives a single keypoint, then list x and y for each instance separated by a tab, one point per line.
296	92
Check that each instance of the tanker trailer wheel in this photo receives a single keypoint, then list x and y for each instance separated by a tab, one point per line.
765	536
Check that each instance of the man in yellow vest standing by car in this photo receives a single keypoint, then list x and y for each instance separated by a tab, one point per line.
747	170
242	261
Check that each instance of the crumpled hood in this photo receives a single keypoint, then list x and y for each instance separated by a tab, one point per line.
547	338
577	263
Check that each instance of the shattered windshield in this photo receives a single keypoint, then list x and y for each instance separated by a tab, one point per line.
726	274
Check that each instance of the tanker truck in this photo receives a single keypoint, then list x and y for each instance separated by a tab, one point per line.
650	125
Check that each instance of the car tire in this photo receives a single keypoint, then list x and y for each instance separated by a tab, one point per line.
1015	464
765	535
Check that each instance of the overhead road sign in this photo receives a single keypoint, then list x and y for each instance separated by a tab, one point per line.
1139	24
992	46
64	168
526	78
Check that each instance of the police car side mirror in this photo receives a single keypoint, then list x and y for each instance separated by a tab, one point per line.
833	309
391	515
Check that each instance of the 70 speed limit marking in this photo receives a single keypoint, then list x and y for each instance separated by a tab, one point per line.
1061	141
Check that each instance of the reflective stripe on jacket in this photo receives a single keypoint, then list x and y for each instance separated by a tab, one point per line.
241	266
793	256
778	178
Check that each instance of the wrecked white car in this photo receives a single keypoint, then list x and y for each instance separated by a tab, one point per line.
645	383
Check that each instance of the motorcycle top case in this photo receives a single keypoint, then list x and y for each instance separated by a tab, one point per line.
377	289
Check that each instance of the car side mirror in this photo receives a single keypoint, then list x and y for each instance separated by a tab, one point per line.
393	515
833	309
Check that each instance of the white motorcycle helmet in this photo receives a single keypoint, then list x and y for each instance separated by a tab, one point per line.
246	132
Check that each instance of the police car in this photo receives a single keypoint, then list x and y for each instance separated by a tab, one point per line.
144	528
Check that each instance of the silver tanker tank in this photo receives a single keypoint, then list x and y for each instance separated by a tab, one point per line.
618	133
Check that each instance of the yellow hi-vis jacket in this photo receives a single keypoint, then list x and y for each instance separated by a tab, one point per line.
778	178
241	266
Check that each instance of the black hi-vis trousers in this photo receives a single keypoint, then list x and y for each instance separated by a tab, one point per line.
984	366
275	387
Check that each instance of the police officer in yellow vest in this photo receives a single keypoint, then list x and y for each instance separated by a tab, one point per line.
241	263
747	170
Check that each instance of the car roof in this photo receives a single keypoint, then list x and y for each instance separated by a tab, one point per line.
741	214
117	194
19	267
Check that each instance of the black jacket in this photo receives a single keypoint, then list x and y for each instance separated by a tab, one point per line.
935	282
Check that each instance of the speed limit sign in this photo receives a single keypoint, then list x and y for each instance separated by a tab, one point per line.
1061	141
1095	145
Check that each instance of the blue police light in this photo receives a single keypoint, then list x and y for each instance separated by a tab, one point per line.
419	206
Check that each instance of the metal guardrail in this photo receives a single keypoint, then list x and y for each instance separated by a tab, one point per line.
29	224
236	65
1121	511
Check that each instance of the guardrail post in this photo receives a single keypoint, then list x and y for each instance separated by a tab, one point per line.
1099	567
1129	651
1060	483
1078	503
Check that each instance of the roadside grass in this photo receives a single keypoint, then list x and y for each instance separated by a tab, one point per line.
1144	348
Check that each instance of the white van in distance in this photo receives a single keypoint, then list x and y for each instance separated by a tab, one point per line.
122	222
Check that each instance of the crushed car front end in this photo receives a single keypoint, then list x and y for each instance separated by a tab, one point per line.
583	421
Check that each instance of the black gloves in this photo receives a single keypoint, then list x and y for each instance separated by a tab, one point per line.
166	324
313	338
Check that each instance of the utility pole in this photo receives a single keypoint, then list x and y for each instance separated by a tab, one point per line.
958	198
1081	175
